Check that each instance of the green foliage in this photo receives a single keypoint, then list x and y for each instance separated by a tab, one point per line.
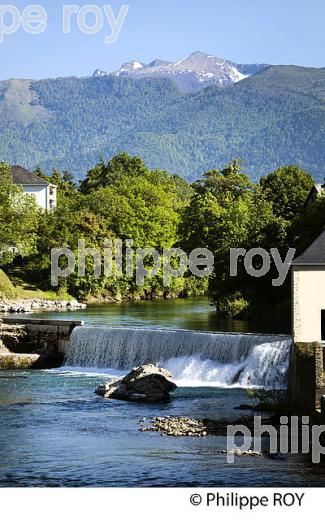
308	225
7	290
287	188
276	117
141	206
18	218
104	175
121	199
227	211
233	306
124	199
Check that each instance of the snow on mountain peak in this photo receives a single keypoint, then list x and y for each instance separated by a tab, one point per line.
191	73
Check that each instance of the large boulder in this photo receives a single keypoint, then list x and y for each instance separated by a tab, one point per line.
146	383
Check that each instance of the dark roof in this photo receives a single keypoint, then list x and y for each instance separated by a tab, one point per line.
314	254
316	189
24	177
319	188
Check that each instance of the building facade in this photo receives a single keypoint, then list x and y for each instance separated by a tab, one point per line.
308	293
43	191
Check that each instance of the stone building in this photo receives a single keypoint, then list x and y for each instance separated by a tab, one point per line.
308	293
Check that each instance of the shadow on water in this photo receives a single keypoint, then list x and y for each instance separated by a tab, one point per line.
186	313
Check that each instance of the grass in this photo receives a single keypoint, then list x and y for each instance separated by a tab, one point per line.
7	290
23	293
19	289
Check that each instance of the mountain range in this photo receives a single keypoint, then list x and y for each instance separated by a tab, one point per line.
191	74
274	115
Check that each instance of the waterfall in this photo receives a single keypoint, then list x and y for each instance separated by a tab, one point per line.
194	358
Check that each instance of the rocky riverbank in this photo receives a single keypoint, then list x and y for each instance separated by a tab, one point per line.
30	305
12	361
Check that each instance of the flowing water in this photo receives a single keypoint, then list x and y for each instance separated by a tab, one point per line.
194	358
54	431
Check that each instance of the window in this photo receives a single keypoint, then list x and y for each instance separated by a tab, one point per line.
323	324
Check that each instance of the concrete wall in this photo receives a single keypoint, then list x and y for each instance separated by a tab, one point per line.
39	336
308	299
27	343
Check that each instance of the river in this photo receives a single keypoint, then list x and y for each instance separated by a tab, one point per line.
182	313
54	431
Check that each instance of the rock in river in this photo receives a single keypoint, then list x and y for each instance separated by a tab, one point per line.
146	383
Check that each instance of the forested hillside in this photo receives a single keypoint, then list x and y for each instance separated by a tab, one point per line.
275	117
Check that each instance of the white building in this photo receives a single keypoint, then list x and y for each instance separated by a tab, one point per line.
44	192
308	293
316	191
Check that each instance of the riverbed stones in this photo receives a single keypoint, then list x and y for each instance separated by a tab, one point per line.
246	453
23	306
146	383
176	426
190	427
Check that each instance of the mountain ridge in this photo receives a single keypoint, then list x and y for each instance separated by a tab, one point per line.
192	73
269	119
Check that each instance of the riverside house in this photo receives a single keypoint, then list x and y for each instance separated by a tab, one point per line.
308	293
43	191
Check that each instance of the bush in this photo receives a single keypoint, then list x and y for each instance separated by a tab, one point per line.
232	307
7	290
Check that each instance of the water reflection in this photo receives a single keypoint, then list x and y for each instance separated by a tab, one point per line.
189	313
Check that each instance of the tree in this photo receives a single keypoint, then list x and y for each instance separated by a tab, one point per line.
137	203
287	188
64	182
18	218
308	226
135	208
63	228
104	175
226	185
227	211
122	199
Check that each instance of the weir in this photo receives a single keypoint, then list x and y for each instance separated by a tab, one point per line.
33	343
194	358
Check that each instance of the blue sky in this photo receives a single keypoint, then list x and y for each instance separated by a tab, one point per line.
245	31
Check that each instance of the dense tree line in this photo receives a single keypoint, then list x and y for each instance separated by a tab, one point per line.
124	199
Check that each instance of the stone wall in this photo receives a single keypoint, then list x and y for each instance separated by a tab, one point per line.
306	379
41	341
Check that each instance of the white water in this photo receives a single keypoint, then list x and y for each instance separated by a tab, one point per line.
194	358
